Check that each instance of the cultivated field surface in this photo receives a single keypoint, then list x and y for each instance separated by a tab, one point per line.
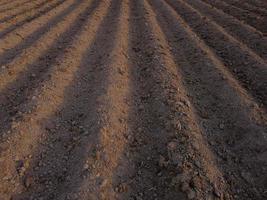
133	99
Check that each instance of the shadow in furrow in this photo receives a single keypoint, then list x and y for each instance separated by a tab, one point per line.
18	91
242	9
73	132
15	6
234	126
252	20
249	71
29	19
148	116
248	7
244	33
38	6
14	52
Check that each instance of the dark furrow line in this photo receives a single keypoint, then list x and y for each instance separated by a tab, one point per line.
242	16
148	113
49	100
217	102
66	175
158	129
15	6
18	91
249	71
115	114
251	38
36	7
229	7
239	43
247	8
17	50
244	19
29	19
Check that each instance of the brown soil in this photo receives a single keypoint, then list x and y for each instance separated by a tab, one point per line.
123	99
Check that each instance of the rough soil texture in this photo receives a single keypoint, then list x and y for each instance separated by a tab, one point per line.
133	99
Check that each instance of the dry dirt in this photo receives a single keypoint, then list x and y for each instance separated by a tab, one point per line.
133	99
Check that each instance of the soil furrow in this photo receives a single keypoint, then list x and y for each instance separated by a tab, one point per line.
148	139
110	112
40	122
26	11
217	27
235	129
21	89
161	160
245	6
133	99
28	19
244	9
242	16
15	6
7	2
250	37
16	59
91	90
250	71
18	35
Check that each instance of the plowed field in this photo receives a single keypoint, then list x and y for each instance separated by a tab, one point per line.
133	99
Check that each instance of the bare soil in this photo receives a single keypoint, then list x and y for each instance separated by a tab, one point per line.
133	99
